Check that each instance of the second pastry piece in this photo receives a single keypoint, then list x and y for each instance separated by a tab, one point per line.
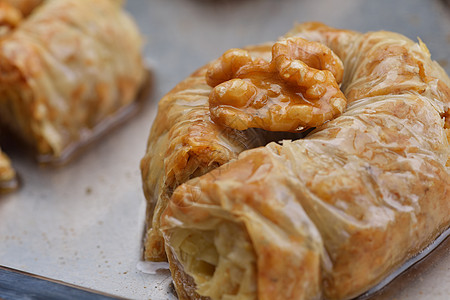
66	68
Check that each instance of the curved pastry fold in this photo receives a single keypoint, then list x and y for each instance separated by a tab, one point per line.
65	69
333	213
184	143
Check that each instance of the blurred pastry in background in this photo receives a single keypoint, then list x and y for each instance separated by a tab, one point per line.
67	68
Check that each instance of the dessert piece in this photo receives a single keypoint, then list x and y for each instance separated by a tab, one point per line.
7	174
328	215
66	69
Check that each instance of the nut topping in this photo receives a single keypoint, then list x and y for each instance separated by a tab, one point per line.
298	89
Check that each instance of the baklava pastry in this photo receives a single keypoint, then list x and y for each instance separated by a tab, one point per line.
185	142
326	216
67	67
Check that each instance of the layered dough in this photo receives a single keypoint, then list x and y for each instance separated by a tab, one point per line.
326	216
66	69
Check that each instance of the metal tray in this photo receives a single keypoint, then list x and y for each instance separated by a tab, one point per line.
83	223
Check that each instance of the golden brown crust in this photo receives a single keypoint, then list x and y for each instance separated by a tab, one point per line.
332	214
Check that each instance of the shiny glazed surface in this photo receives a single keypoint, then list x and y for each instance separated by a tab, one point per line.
298	89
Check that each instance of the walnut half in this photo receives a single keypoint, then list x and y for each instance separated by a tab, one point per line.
298	89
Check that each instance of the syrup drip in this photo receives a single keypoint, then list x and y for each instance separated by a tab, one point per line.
151	267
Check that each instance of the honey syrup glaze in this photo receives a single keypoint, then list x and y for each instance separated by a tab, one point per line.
298	89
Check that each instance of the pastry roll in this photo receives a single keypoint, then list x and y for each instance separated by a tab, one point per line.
66	70
331	214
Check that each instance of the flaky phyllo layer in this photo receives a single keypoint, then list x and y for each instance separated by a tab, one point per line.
327	215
